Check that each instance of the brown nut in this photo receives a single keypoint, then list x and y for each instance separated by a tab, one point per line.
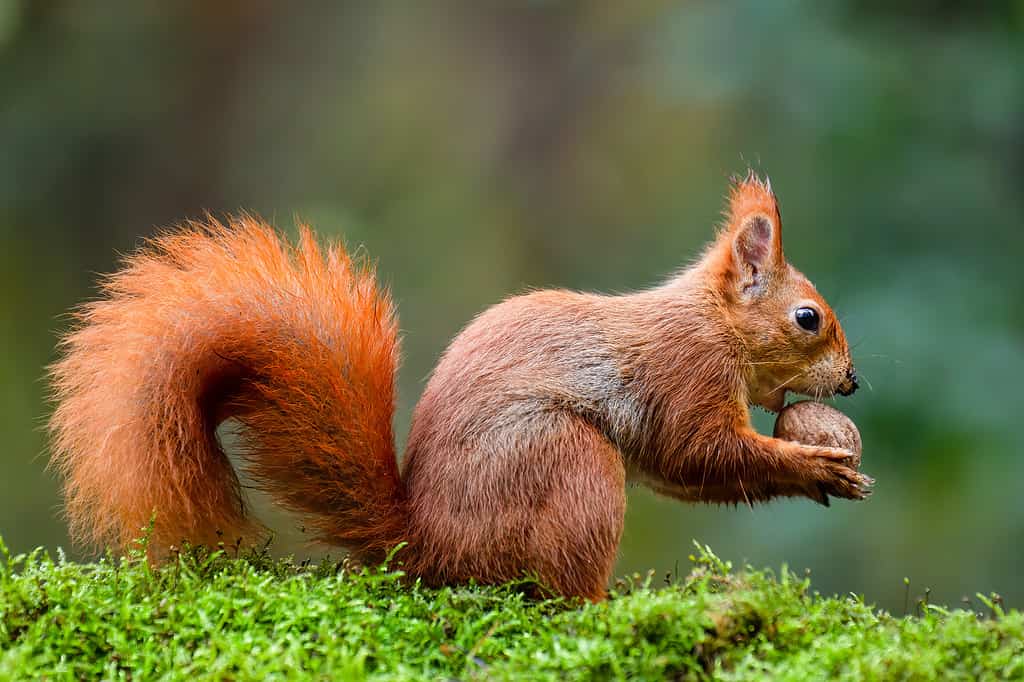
813	423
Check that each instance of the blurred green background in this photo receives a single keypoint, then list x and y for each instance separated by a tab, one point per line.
478	149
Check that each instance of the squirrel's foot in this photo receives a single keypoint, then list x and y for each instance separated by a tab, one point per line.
833	475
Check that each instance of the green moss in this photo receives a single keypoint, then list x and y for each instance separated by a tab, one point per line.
211	616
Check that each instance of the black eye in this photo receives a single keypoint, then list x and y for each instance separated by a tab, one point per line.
808	319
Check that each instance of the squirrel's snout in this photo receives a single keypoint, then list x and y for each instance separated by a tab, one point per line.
850	384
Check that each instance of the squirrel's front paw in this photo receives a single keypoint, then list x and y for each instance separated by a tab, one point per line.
835	475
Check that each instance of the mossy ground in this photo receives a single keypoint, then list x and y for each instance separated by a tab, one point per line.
216	616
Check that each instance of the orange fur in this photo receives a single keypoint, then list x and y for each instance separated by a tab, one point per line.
226	321
524	436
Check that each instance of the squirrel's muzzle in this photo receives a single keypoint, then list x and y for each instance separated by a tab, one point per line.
850	383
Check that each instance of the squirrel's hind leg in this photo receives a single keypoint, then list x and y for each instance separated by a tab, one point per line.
543	499
576	533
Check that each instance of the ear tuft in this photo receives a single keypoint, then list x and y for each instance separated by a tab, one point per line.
753	233
751	195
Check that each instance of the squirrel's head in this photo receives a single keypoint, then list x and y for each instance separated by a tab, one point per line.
789	337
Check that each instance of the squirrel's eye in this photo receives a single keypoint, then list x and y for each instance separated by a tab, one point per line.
808	319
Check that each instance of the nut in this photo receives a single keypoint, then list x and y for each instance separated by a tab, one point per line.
813	423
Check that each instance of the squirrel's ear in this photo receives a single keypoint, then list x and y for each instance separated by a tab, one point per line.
754	230
755	254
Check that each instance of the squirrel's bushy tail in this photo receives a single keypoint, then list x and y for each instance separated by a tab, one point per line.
297	343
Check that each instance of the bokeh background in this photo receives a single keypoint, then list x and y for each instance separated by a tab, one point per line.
480	148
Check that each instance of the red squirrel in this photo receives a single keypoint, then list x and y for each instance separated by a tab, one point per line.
521	445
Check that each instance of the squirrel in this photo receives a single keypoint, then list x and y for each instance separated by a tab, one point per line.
521	445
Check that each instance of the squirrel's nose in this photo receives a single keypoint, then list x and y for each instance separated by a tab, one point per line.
850	385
